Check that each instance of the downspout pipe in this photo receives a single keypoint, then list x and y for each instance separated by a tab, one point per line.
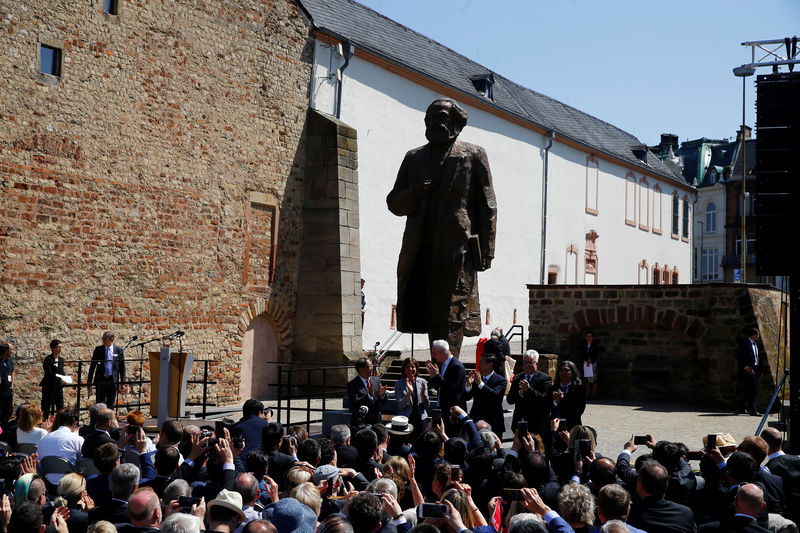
551	135
348	54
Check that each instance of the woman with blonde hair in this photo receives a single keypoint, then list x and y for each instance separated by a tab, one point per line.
72	494
307	494
296	476
29	416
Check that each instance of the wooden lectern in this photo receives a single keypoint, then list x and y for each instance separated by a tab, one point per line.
169	373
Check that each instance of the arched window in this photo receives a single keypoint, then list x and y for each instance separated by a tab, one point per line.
711	218
656	274
644	273
571	269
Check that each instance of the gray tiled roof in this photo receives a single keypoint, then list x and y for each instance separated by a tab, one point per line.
372	32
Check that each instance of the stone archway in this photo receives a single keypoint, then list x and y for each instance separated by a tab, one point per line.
260	349
265	334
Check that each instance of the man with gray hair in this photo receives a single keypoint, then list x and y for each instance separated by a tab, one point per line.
530	394
615	526
340	438
94	409
124	480
382	486
526	523
448	376
181	523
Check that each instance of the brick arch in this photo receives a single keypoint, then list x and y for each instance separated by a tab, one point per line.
665	320
277	317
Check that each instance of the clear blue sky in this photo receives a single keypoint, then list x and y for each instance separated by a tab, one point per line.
647	67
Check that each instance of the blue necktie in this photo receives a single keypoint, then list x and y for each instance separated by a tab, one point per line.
109	360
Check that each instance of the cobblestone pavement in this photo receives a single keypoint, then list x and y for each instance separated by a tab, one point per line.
616	422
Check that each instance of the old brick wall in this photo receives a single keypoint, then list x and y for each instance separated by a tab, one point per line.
673	343
157	184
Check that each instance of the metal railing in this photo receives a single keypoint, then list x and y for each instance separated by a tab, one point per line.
515	330
307	382
80	385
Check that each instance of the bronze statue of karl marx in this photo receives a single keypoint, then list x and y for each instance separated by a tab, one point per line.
444	188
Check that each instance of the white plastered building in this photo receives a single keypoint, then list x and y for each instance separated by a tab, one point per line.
614	213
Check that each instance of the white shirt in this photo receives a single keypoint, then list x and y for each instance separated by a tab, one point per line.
62	442
30	437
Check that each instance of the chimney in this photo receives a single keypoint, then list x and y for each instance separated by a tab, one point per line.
668	140
747	132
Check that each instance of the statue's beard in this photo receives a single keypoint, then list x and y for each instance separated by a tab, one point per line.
438	134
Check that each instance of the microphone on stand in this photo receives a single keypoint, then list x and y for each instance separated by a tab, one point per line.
179	333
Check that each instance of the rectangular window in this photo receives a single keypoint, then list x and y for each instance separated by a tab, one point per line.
711	220
710	264
676	215
656	209
749	249
50	60
112	7
592	179
685	218
644	205
630	200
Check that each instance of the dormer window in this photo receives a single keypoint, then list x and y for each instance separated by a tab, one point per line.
483	84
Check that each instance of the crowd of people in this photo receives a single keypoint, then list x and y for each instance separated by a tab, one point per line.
435	466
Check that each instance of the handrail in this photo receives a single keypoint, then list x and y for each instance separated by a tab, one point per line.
387	344
79	385
513	333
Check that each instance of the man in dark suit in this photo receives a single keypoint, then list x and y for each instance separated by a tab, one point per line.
107	370
100	435
52	387
6	382
279	462
124	479
787	467
362	393
530	395
588	354
340	438
750	358
448	377
494	346
749	503
487	389
252	424
774	493
166	464
653	513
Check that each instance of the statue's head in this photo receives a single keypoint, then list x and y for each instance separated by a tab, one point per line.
444	120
